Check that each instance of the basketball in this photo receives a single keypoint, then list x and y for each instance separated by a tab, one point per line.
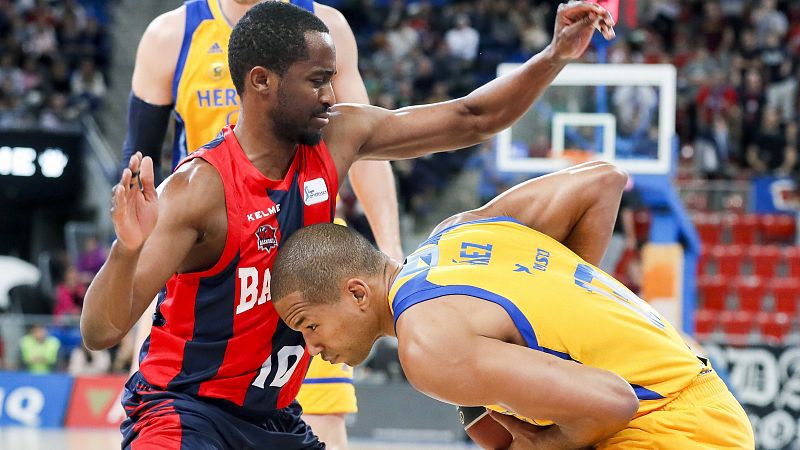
482	429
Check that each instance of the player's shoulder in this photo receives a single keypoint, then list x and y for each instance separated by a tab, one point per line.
329	15
166	31
196	183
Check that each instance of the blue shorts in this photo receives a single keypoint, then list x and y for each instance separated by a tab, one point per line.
176	421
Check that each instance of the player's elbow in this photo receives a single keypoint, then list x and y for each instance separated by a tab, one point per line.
96	337
610	177
619	406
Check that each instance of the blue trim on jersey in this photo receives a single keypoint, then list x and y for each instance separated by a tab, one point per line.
642	393
562	355
196	12
204	354
425	290
290	217
305	4
327	380
179	142
434	239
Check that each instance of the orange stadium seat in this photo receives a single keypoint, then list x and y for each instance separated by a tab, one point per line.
713	292
774	327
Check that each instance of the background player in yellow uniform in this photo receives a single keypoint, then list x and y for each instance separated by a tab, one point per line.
489	311
182	70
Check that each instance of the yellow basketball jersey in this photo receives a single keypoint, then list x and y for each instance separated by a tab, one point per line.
204	95
560	304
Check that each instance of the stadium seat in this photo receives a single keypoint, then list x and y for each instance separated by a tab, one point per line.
785	292
742	227
765	260
737	326
791	258
778	228
713	292
774	326
750	291
729	259
709	227
705	324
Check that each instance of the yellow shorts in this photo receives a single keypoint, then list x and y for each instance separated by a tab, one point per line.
328	389
705	415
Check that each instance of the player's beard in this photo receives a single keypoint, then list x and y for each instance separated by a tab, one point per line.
290	130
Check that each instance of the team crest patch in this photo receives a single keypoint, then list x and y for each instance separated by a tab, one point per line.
217	71
267	237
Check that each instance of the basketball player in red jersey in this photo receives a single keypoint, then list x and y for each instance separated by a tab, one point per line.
181	71
222	370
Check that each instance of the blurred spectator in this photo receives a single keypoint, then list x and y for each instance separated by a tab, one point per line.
462	40
771	151
769	21
69	294
88	84
58	115
713	149
39	350
40	39
90	258
752	99
782	85
623	237
44	79
85	362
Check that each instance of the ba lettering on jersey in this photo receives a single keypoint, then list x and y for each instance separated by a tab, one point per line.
220	336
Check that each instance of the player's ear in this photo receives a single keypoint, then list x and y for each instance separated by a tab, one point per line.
261	79
359	292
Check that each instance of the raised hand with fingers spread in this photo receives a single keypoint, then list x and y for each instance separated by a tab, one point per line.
134	203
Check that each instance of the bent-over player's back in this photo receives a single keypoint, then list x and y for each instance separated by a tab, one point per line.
560	304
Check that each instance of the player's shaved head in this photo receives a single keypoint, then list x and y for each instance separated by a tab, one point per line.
315	260
270	35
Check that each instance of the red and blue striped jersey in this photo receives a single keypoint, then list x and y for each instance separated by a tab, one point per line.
216	333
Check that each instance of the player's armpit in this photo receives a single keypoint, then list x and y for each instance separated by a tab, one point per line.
445	360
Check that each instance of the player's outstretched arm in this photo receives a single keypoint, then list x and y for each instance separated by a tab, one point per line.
372	181
155	234
445	358
418	130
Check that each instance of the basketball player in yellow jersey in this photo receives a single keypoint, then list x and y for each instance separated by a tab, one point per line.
182	69
490	311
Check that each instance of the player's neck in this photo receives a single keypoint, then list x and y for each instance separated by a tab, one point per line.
269	154
390	272
232	11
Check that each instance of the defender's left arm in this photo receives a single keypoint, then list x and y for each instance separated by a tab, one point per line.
419	130
372	181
